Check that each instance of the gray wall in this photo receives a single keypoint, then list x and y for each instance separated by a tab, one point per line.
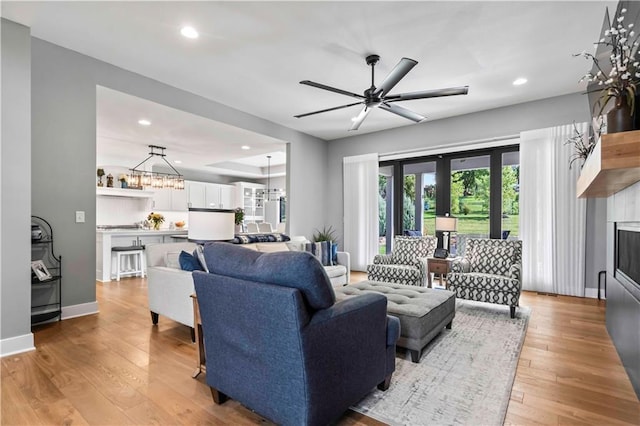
595	256
64	145
15	184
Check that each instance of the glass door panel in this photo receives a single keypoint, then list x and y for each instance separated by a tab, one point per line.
419	198
470	196
510	194
385	209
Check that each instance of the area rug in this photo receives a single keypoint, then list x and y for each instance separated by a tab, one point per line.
464	376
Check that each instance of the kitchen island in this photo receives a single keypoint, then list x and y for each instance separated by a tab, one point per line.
108	238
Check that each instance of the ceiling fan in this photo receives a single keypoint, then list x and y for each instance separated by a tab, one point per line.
379	97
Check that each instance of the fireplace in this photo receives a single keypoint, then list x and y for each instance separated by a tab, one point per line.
628	253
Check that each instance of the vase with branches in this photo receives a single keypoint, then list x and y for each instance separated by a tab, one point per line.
620	83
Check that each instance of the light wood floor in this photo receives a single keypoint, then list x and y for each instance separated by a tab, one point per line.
116	368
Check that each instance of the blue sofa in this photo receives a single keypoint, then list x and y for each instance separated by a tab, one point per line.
277	342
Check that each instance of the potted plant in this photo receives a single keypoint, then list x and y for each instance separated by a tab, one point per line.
325	234
239	218
100	173
582	145
156	219
620	83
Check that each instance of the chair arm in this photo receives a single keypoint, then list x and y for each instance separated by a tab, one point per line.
393	330
461	265
382	259
169	291
344	259
423	265
515	272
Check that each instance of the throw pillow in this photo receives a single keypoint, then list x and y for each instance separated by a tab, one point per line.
188	262
171	259
198	253
322	251
334	253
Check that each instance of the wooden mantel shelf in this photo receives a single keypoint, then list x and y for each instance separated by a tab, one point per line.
613	165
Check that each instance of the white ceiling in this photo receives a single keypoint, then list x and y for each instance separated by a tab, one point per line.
196	142
251	55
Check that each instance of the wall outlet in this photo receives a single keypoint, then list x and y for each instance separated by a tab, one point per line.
79	217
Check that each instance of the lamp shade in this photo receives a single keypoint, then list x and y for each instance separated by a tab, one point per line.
211	224
446	223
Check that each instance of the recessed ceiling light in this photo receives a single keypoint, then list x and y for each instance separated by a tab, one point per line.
519	81
245	147
177	161
189	32
144	122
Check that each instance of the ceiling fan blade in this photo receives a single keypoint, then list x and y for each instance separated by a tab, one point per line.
327	110
360	118
331	89
436	93
403	112
404	66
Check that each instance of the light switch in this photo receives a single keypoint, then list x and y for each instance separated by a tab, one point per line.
79	217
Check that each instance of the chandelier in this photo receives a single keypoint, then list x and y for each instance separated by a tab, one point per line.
140	178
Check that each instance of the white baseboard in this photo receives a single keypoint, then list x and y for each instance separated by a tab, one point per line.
16	345
593	293
80	310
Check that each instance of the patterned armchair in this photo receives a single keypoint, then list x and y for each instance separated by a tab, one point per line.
490	271
407	262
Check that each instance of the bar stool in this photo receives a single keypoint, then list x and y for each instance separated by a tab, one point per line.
135	256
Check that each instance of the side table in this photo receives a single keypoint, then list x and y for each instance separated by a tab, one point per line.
197	325
438	266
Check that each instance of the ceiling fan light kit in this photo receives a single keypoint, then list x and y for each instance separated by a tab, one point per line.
379	97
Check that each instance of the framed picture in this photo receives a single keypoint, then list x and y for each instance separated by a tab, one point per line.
41	271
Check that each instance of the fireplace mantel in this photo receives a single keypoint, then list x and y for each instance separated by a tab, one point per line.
613	165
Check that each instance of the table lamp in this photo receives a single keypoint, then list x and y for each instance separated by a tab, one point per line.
446	224
211	225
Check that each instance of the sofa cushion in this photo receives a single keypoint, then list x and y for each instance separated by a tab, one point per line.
271	247
198	253
288	269
492	257
407	250
335	271
171	259
188	262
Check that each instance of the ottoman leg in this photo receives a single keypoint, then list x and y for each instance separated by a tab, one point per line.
513	311
415	355
449	325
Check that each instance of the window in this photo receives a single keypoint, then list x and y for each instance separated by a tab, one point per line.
480	188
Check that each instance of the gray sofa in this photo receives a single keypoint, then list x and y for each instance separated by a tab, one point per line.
170	288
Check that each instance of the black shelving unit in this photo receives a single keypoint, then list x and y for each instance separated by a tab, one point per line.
46	294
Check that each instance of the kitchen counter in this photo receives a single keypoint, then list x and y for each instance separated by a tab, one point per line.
141	231
108	238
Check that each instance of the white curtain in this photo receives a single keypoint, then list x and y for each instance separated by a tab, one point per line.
361	209
552	218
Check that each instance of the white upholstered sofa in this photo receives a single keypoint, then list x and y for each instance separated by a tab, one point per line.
170	288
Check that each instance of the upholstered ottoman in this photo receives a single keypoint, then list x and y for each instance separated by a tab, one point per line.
423	312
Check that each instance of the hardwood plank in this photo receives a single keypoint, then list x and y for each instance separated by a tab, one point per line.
117	368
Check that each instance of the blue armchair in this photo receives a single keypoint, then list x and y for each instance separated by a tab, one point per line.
277	342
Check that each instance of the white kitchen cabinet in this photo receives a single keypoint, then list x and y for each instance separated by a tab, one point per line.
250	196
196	194
218	196
169	199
